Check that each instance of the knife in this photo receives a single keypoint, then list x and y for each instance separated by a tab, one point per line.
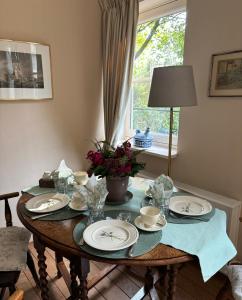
43	215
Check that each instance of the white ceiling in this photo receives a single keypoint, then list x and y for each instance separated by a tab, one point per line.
148	4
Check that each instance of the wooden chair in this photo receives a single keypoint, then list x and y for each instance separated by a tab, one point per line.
8	278
17	295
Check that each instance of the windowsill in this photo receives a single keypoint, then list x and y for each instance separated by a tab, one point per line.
158	151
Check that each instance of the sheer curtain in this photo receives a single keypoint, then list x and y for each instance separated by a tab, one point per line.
119	22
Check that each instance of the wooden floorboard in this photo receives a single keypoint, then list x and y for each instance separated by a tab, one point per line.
121	284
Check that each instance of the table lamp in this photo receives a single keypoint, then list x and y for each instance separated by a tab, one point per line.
172	87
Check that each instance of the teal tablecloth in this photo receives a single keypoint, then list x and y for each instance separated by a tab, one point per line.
207	240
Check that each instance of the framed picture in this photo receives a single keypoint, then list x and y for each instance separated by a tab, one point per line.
25	71
226	75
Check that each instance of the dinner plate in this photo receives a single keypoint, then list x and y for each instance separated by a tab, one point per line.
110	235
190	205
157	227
47	203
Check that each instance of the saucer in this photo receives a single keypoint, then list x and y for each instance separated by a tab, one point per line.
155	227
81	208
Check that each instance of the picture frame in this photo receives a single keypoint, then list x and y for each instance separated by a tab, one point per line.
226	74
25	71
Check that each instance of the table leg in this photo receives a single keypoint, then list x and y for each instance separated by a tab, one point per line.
164	280
172	281
82	272
58	260
40	248
149	287
149	280
74	285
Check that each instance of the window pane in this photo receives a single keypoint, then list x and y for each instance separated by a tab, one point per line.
141	94
159	43
157	119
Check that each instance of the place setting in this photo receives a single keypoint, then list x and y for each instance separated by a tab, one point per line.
188	209
57	197
120	234
178	207
123	232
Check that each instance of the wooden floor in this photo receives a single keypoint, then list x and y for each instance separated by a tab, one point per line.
121	284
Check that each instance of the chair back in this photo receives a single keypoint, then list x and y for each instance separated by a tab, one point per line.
8	214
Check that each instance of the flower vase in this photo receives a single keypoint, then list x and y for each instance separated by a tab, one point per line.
117	190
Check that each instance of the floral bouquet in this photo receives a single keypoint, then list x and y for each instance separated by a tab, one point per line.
108	161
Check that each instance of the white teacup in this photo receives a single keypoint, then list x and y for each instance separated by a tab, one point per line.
150	215
81	177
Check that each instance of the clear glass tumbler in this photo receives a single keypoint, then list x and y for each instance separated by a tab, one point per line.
95	207
165	201
61	185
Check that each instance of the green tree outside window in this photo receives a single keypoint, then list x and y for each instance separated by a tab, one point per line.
159	43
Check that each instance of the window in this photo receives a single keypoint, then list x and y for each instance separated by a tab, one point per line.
159	42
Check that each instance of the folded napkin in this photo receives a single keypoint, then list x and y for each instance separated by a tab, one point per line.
36	190
181	219
207	240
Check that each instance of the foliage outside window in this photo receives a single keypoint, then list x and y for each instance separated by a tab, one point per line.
159	43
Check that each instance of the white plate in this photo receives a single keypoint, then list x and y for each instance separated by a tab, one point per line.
47	203
155	227
190	205
110	235
81	208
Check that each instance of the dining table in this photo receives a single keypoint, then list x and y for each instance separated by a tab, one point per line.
193	230
162	262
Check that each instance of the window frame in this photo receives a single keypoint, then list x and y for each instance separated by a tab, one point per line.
155	10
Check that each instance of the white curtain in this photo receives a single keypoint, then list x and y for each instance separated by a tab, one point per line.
119	23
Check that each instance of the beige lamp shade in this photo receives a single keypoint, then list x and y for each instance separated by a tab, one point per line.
172	87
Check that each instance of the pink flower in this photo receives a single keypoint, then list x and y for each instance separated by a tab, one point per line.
95	157
90	155
119	152
98	158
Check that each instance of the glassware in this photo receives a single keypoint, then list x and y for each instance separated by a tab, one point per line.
61	185
124	216
95	205
165	201
148	201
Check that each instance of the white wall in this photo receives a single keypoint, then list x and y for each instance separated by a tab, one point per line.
210	138
36	135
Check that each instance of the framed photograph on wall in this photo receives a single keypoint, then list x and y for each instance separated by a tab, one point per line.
226	75
25	71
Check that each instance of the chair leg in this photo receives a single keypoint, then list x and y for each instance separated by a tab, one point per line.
30	264
3	290
12	289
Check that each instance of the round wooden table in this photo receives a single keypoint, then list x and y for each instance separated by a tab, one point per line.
57	235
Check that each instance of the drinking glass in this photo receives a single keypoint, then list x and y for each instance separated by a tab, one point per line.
165	201
124	216
147	201
61	185
95	207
